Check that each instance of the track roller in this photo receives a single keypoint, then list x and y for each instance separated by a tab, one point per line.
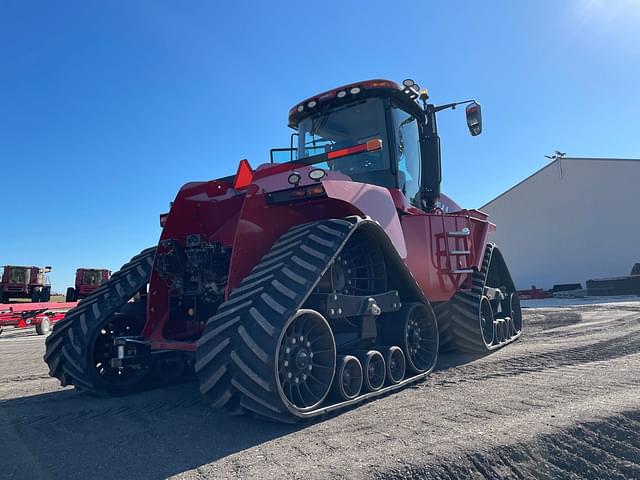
500	330
396	365
374	369
348	379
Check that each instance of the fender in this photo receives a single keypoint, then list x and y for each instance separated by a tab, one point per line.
374	202
261	224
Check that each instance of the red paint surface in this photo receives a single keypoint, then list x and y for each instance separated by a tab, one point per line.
243	220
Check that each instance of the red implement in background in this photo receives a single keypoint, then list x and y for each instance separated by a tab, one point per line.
40	315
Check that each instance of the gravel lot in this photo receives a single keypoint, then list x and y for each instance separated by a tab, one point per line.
562	402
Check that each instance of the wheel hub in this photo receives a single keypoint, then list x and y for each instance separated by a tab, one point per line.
338	276
302	359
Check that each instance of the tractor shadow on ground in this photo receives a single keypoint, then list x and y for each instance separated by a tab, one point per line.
155	434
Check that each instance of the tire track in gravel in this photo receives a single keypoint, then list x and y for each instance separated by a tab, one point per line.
599	351
605	449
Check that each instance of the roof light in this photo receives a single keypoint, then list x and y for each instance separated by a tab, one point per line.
380	84
341	94
312	104
300	108
354	91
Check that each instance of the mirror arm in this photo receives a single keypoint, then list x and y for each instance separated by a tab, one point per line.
452	106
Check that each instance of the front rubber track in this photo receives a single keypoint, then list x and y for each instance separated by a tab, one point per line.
68	347
235	358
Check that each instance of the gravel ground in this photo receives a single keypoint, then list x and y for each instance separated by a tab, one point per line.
562	402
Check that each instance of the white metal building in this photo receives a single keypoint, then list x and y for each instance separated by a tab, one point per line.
574	219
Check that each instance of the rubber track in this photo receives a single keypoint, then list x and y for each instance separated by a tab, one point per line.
235	359
463	313
442	311
65	352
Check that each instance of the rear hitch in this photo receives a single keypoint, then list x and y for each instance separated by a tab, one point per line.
135	352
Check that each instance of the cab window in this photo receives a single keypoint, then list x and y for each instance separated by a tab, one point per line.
346	126
407	145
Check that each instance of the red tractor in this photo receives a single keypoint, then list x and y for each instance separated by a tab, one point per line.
87	280
305	287
25	282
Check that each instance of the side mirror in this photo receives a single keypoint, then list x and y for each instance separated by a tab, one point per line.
474	118
47	269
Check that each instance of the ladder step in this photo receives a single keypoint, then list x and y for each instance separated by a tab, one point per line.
465	270
465	232
460	252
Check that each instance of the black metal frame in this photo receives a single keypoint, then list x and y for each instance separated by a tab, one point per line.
138	353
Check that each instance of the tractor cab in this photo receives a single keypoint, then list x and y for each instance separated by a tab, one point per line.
13	275
377	133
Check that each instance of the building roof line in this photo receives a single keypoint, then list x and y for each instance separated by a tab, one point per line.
553	163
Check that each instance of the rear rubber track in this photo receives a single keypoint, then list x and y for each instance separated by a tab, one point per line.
464	310
235	359
66	347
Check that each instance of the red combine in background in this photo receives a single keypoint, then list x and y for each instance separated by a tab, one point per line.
308	286
87	280
25	282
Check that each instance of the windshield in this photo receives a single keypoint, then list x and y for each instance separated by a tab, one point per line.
347	126
20	276
92	277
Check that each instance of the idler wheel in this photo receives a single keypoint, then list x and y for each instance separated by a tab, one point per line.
306	361
487	322
415	330
515	312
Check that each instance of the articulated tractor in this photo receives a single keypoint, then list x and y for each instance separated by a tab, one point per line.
304	286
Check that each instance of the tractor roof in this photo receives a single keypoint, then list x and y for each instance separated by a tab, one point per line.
347	93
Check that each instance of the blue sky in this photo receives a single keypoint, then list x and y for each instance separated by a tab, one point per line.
109	107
